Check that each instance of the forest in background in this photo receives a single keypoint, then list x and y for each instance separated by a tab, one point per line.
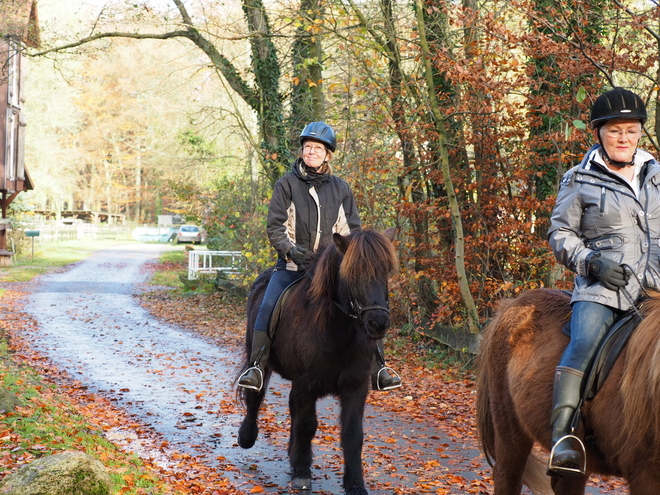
455	121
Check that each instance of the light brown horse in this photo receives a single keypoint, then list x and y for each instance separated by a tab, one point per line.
519	351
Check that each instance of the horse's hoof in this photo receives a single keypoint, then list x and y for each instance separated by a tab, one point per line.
357	491
247	435
301	483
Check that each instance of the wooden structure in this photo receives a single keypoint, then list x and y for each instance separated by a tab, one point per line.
19	27
87	216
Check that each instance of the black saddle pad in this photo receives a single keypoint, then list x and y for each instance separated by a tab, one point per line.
609	350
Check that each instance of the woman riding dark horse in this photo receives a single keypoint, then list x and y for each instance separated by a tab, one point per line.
605	227
308	205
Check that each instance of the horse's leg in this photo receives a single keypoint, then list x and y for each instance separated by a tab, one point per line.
302	409
645	481
511	453
352	414
512	446
575	485
247	433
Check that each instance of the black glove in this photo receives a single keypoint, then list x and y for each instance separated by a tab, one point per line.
610	273
299	255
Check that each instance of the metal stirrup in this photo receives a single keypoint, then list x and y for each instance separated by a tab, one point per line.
553	468
391	372
261	379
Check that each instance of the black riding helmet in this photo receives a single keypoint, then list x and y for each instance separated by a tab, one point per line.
618	103
321	132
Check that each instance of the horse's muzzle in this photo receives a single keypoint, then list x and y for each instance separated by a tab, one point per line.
376	323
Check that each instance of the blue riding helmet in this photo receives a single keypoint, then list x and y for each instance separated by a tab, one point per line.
321	132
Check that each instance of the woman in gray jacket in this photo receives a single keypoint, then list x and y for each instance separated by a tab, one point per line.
308	205
605	227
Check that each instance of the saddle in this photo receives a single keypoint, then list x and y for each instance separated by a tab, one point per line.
279	305
608	351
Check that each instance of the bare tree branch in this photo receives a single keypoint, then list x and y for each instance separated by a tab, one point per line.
633	15
89	39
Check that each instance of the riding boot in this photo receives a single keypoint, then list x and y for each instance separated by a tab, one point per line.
253	377
567	457
381	379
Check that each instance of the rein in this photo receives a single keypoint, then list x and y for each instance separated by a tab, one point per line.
627	294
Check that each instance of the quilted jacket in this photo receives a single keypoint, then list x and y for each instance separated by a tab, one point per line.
306	215
599	211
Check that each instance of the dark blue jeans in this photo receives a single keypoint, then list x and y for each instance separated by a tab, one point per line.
590	322
279	281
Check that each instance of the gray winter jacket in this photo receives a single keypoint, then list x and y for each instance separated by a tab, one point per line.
307	215
598	211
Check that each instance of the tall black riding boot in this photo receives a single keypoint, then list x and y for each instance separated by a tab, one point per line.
253	377
381	379
567	457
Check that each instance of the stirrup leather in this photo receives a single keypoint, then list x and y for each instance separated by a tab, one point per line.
553	468
391	372
252	387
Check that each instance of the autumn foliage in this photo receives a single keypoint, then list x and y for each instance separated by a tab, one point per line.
455	124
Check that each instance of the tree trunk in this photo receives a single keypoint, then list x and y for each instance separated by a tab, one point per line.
307	100
459	241
138	180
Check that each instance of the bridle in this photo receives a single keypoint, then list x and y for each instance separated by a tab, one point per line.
356	310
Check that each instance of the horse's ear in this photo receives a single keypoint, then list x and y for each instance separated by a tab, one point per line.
341	242
390	233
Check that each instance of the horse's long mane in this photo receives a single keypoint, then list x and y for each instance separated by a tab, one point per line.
370	255
640	386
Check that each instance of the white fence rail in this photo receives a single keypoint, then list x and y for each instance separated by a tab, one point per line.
211	262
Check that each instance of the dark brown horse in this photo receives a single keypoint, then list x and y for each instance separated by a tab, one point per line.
325	343
620	426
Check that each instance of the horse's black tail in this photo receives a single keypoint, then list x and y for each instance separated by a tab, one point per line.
254	297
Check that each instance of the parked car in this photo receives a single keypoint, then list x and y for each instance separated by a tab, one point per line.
191	233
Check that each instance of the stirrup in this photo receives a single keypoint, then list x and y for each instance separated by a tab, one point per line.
554	469
390	372
252	387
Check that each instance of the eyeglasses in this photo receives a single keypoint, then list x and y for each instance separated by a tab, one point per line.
628	133
317	150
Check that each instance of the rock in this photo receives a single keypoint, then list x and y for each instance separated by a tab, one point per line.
8	401
67	473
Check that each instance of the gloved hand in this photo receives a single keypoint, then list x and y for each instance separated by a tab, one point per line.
299	255
610	273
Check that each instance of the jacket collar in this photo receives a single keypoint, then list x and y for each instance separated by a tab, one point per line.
590	166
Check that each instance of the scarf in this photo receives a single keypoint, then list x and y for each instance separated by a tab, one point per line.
313	176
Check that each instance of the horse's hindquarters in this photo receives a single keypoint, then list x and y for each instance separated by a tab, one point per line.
519	352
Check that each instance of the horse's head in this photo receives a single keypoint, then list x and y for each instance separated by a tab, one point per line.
368	260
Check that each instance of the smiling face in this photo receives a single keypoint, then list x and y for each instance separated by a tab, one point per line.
313	153
620	138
